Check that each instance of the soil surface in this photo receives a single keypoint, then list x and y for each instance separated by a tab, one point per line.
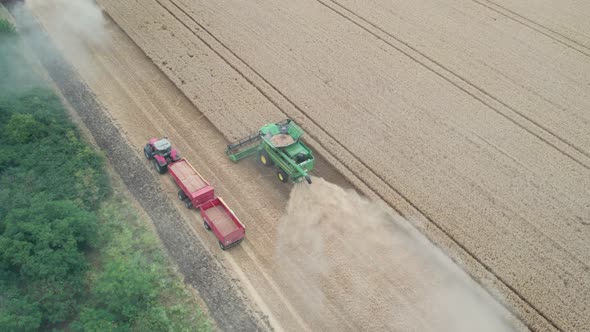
479	107
466	117
144	103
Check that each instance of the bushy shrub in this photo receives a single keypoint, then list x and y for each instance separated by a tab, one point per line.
6	27
23	128
70	257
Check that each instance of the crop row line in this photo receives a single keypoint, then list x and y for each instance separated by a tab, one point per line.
461	83
538	27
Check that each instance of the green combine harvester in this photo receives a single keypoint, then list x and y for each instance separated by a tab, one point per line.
277	144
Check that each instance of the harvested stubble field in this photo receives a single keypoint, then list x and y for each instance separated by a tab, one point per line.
469	118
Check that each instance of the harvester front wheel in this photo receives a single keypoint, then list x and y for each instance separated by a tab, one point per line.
264	159
282	176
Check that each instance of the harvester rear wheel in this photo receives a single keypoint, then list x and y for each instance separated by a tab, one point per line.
181	195
282	176
264	159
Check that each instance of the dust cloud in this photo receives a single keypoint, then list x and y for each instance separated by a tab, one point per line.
344	253
73	19
77	24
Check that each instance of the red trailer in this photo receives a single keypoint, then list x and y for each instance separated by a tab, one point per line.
220	219
194	189
196	192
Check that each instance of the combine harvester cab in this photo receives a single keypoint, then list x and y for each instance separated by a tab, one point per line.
196	192
277	144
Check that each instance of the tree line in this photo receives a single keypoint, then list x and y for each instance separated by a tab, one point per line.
73	254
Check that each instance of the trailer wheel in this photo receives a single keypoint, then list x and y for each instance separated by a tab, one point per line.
188	203
264	159
181	195
222	246
160	169
147	151
282	176
206	225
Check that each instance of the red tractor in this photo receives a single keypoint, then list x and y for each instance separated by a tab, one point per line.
161	152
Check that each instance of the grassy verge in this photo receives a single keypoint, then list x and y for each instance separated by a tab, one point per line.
132	286
74	255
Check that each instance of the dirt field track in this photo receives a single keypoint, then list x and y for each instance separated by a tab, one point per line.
470	118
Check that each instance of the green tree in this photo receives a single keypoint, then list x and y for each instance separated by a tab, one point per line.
6	27
23	128
42	245
96	320
69	257
18	312
125	287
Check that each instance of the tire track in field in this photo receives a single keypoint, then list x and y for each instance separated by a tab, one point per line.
539	131
538	27
405	198
472	94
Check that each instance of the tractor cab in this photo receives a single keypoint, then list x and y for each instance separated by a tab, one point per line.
161	152
162	147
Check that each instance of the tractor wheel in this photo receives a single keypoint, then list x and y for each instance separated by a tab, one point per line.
206	225
147	151
188	203
160	169
282	176
181	195
264	159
